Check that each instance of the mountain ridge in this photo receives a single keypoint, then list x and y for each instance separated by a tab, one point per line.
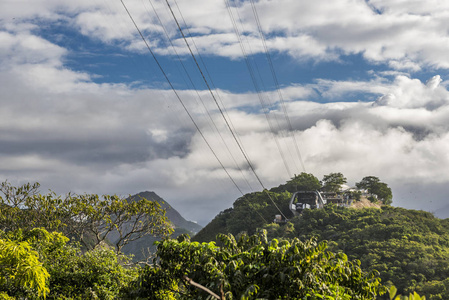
141	248
172	214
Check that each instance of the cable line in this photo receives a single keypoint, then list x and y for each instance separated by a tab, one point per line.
270	104
182	103
196	90
273	73
265	108
177	95
209	88
216	102
210	78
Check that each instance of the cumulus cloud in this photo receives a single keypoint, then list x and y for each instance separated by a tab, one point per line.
406	36
61	128
26	48
412	93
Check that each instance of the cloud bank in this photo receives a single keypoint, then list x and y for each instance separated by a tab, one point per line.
63	129
406	36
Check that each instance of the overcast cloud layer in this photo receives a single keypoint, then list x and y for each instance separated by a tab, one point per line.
62	128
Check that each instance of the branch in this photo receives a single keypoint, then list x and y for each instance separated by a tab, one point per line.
190	281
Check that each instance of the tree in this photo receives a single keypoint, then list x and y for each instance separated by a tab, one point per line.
20	269
333	182
367	182
23	208
413	296
374	186
100	273
383	192
90	218
301	182
409	248
116	219
251	267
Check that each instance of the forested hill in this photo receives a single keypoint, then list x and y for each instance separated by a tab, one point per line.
409	248
254	210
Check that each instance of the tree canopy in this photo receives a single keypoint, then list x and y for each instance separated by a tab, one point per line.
44	264
333	182
20	268
330	253
251	267
374	186
301	182
90	218
409	248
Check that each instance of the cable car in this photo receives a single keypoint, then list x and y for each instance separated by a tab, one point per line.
278	219
306	200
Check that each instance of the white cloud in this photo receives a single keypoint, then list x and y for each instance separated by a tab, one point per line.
331	89
69	133
60	128
25	48
404	35
412	93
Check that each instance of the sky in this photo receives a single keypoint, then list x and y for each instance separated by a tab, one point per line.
88	105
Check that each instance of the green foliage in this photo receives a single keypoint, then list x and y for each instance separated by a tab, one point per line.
249	213
245	216
21	272
301	182
436	289
35	263
96	274
216	226
251	267
116	218
410	249
90	218
356	195
70	273
5	296
374	186
392	295
333	182
367	182
23	208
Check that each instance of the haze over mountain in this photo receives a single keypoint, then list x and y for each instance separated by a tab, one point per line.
172	214
139	248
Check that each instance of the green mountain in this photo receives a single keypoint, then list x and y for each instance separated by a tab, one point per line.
408	248
172	214
140	248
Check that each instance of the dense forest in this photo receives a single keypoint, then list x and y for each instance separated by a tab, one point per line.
254	210
58	247
409	248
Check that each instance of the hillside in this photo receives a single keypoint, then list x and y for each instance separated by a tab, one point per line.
365	203
173	215
409	248
140	247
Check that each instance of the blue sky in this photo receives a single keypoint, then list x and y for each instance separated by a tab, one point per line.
85	108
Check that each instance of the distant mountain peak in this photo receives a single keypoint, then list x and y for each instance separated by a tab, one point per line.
182	226
172	214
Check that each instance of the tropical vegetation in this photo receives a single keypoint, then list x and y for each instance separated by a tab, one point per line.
70	247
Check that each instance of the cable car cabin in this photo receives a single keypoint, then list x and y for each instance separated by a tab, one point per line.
306	200
279	220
